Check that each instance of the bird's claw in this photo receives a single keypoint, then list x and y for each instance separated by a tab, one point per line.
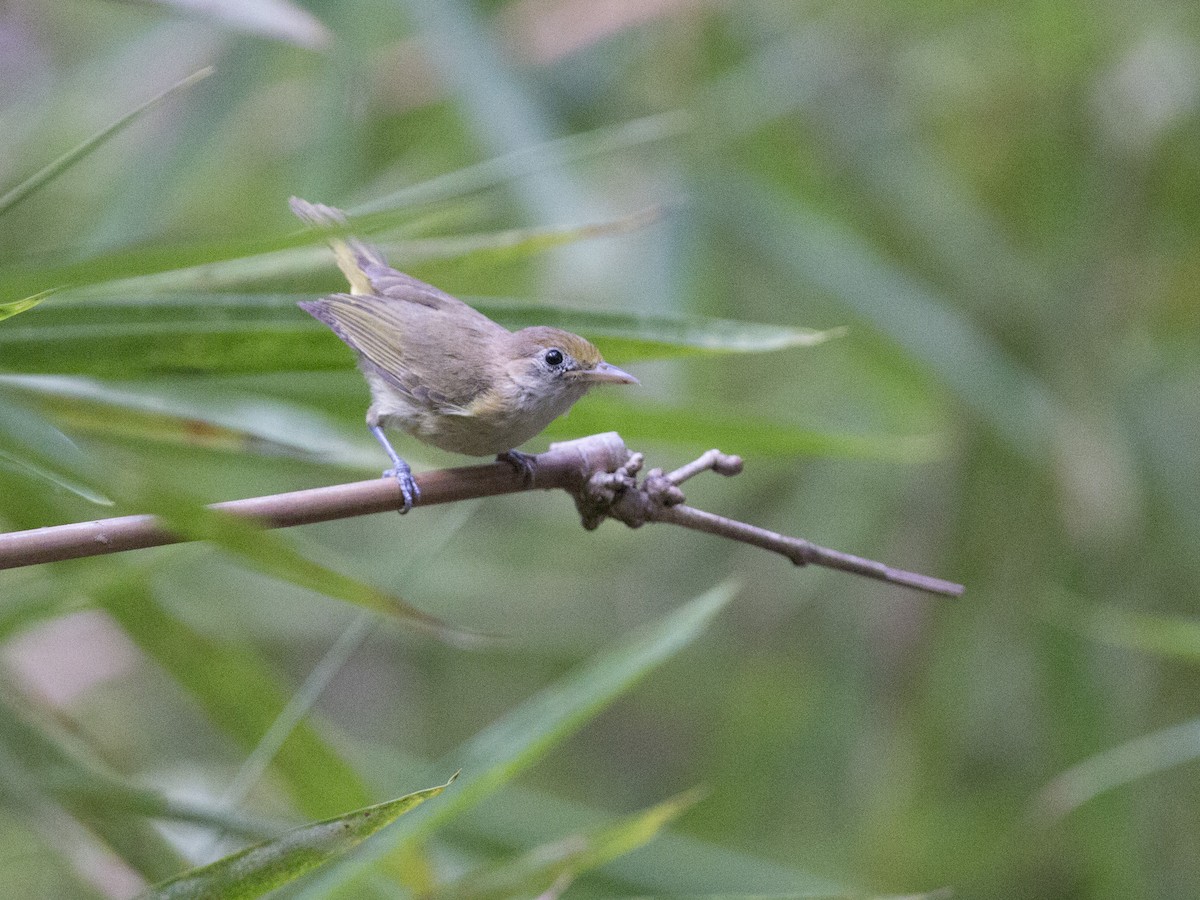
408	486
524	463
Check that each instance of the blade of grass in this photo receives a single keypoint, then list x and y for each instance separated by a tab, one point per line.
30	443
241	333
215	417
489	247
1175	636
530	161
39	179
306	696
820	252
13	307
40	764
264	867
62	764
631	336
155	269
1118	766
558	864
746	435
221	675
270	554
497	754
675	863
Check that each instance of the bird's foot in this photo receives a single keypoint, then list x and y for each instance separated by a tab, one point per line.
524	463
408	486
399	470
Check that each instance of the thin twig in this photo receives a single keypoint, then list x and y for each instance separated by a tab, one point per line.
599	472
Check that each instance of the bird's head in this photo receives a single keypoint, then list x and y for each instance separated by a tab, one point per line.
554	364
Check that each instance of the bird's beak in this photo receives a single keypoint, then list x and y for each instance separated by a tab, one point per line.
604	373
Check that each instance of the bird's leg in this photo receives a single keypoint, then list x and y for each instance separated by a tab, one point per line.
399	470
524	463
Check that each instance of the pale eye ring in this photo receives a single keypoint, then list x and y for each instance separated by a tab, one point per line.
554	357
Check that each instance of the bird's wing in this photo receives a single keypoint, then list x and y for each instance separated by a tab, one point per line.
412	347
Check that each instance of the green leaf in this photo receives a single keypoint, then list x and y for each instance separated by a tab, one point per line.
31	444
557	864
134	336
496	755
264	867
39	764
1176	636
745	435
532	160
270	554
624	336
221	675
197	414
63	765
1118	766
13	307
153	270
821	252
68	159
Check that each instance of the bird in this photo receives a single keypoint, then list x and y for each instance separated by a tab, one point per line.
441	370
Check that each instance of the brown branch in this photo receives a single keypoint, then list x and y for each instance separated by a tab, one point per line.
597	471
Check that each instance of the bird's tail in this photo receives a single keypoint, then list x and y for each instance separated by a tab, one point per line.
353	255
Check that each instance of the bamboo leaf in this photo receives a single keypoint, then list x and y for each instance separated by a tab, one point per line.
244	333
631	336
221	675
1176	636
214	417
31	444
531	160
13	307
496	755
821	252
40	760
747	435
153	269
272	555
1139	758
39	179
558	864
264	867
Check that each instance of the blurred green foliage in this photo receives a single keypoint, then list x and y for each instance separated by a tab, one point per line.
1000	202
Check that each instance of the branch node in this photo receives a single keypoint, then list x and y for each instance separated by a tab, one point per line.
619	495
721	463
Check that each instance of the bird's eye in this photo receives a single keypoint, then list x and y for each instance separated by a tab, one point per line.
554	357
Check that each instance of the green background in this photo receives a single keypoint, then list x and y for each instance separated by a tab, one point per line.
999	202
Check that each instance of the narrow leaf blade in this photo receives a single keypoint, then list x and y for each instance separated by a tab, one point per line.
57	167
500	752
557	864
13	307
272	555
264	867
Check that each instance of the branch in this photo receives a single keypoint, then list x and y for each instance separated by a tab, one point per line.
597	471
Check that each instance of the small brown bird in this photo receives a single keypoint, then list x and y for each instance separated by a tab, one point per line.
442	371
